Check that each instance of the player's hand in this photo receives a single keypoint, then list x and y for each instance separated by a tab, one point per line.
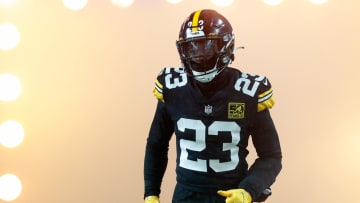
236	196
152	199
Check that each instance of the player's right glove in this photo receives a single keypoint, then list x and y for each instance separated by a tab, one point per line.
152	199
236	196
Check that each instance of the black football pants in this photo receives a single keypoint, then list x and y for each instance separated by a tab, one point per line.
184	195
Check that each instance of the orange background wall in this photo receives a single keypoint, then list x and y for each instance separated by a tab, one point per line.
87	101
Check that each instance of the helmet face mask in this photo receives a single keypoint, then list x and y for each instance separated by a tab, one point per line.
201	55
206	44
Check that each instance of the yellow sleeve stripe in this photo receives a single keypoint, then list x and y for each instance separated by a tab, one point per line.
158	84
158	95
265	95
265	100
158	91
266	104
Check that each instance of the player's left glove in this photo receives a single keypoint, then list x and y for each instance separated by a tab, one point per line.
152	199
236	196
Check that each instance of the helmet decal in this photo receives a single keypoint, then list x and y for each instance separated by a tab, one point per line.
195	26
195	22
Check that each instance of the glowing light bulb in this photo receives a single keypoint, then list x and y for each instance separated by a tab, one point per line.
318	1
10	187
222	3
122	3
10	87
75	4
11	133
273	2
9	36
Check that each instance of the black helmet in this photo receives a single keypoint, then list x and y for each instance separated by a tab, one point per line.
205	44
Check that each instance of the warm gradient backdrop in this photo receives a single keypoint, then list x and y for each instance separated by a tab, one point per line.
87	101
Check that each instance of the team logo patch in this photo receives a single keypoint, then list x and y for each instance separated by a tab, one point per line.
236	110
208	109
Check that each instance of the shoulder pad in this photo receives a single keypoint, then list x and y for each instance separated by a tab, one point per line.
265	94
160	81
256	86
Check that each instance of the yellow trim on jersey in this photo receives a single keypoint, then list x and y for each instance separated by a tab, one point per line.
158	84
265	94
158	91
195	21
266	104
158	95
265	100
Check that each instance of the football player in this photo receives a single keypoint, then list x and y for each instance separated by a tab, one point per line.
212	109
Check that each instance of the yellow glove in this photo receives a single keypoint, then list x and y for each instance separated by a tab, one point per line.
236	196
152	199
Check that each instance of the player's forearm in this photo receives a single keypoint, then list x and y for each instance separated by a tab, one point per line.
264	170
155	163
262	174
152	179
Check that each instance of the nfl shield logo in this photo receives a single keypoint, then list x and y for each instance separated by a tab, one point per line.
208	109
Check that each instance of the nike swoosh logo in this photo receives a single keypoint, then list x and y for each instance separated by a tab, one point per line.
265	82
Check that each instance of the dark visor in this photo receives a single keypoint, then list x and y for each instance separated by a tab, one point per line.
201	54
200	48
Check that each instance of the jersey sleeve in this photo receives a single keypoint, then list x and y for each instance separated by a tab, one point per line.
263	172
158	90
265	95
169	78
157	145
156	151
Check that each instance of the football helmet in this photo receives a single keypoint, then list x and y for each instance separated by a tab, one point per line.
205	44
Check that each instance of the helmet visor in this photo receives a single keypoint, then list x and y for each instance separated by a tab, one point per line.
201	54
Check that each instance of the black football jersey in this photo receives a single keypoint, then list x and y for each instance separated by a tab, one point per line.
212	131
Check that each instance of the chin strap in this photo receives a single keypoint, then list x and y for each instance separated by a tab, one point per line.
199	74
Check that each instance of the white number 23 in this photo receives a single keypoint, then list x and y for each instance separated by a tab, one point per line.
199	144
